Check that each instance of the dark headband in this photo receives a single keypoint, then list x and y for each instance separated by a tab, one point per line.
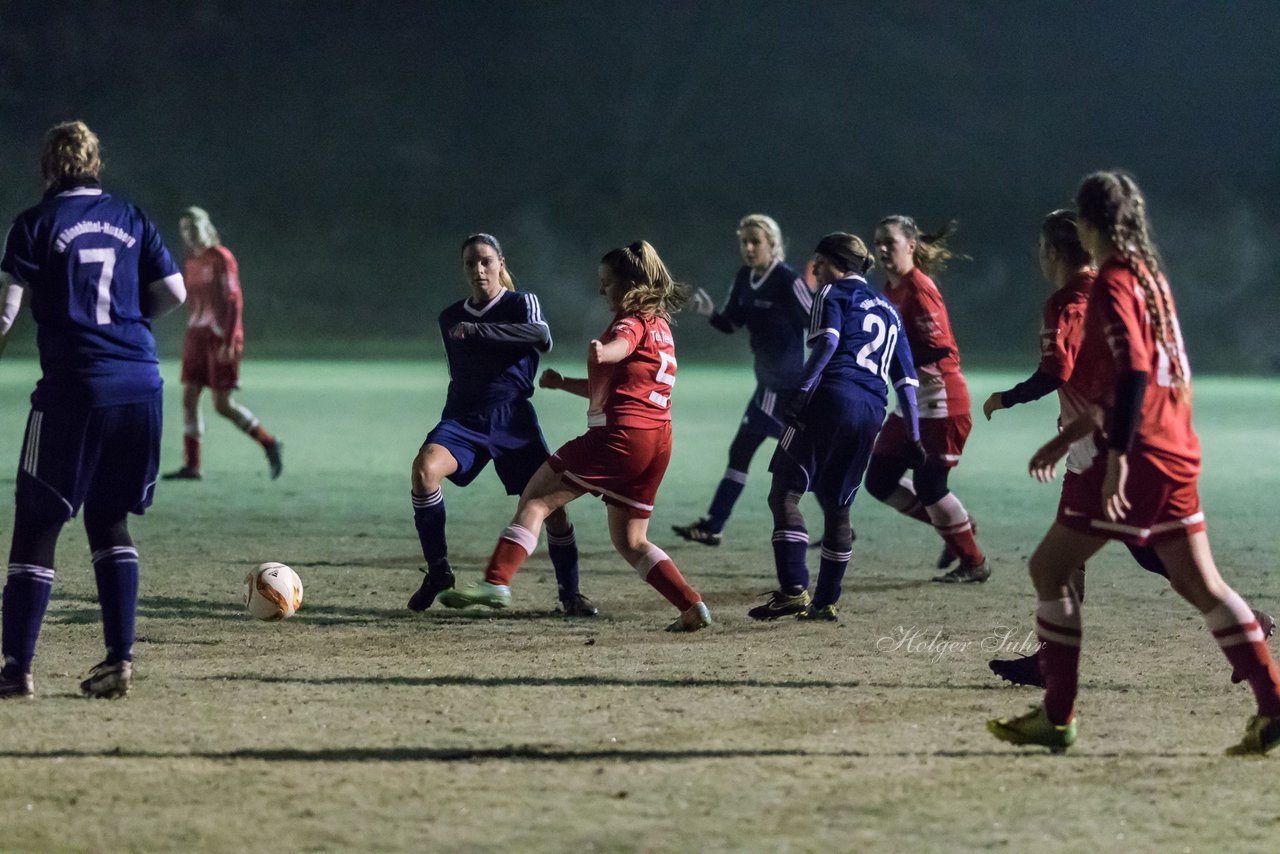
835	248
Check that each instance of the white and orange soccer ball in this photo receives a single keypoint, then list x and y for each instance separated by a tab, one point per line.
273	591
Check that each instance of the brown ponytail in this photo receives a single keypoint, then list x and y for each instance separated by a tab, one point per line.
651	292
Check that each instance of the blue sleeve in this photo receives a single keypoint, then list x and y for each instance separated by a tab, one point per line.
826	317
155	263
823	348
18	261
902	373
732	311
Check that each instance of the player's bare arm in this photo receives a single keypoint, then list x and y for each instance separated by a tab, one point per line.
555	380
608	354
1044	461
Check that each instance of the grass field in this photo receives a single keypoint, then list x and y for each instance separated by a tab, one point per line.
360	726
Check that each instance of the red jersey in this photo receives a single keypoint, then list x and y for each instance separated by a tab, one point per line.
1119	337
213	293
1060	339
942	391
635	392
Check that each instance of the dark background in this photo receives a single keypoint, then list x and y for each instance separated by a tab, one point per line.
345	150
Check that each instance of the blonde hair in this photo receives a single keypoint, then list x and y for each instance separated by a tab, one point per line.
931	253
651	292
1113	204
504	275
769	226
71	153
203	225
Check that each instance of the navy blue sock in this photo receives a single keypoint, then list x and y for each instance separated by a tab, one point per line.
428	518
831	574
26	597
727	493
116	571
789	547
563	549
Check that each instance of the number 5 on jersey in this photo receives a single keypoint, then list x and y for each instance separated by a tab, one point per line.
666	376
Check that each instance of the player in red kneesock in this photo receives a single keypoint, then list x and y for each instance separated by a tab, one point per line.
1140	487
625	451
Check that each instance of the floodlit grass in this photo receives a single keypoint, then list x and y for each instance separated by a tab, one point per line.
360	726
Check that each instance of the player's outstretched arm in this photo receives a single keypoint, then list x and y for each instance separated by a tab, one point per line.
12	301
1032	388
599	353
554	379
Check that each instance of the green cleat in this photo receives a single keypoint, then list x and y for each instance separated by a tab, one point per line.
781	605
819	612
692	620
1034	728
480	593
1260	735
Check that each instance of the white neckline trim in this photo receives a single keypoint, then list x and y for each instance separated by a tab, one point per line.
755	283
82	191
479	312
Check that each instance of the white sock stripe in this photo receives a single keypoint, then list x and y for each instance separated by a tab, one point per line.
430	500
1253	634
114	551
1233	611
1049	634
1063	612
735	476
42	573
791	536
948	512
827	554
650	559
954	529
521	536
568	539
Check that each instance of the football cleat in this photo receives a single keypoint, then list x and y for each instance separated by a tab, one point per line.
433	583
819	612
274	459
698	532
692	620
965	574
1019	671
948	557
108	680
184	473
781	605
480	593
1034	728
1260	735
578	605
16	686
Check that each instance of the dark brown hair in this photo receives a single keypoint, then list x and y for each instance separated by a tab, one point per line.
932	253
1061	233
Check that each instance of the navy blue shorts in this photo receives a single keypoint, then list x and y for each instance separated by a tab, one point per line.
105	458
508	434
762	412
828	454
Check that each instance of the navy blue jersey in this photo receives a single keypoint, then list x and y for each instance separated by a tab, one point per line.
87	259
775	309
871	352
496	361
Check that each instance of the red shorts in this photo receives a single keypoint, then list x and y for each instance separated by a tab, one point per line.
1161	506
200	365
943	438
622	465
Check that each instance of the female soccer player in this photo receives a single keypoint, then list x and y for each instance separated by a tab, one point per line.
624	453
214	344
773	302
492	341
1140	487
859	351
909	257
1069	269
98	274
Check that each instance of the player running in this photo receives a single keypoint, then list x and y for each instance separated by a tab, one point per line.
1069	269
859	351
492	341
773	302
624	453
97	274
1140	487
214	344
909	257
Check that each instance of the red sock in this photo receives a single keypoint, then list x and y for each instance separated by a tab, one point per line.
514	546
261	436
1237	632
1058	627
660	572
916	511
952	523
191	452
963	544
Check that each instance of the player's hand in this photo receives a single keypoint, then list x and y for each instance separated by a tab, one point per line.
1114	503
992	403
915	455
459	330
227	354
793	410
551	379
595	351
702	303
1044	462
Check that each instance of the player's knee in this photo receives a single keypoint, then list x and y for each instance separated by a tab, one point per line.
222	404
785	505
881	479
930	481
558	522
427	473
106	530
837	533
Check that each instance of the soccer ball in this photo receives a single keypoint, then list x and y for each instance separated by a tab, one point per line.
273	591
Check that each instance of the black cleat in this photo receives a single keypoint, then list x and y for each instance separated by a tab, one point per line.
1019	671
17	686
434	581
965	575
698	532
274	459
184	473
578	605
781	605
